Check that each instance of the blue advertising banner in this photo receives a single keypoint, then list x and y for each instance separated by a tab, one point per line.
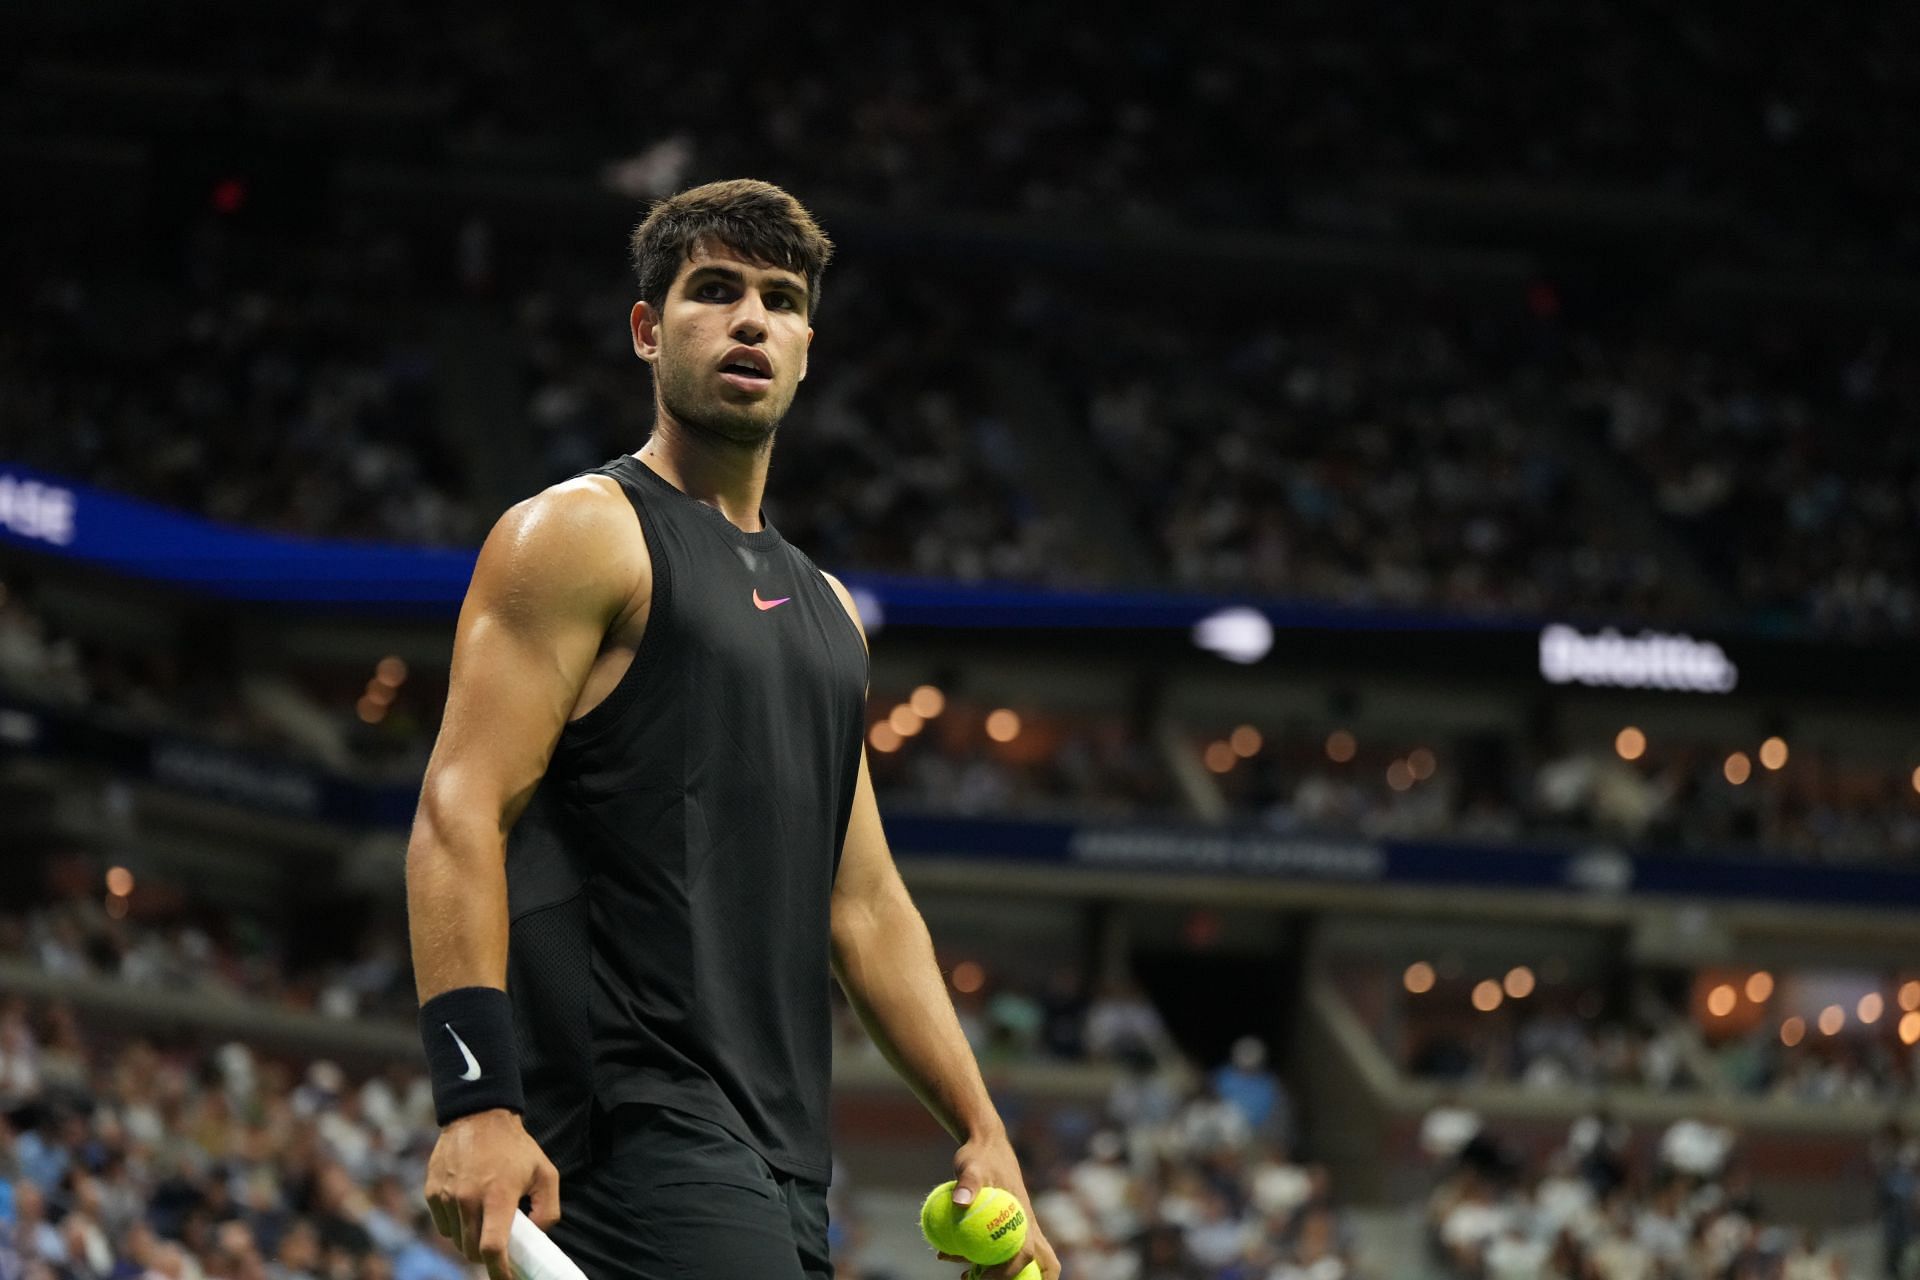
48	514
1169	849
55	516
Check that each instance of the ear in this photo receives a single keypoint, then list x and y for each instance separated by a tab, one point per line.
803	353
645	323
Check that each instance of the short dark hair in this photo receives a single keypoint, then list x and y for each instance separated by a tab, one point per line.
754	219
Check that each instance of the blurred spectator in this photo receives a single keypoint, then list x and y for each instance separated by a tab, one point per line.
1122	1022
1696	1148
1249	1085
1448	1127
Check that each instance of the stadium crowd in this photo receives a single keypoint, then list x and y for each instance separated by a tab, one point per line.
299	400
1560	1036
126	1159
972	758
155	937
1673	797
1369	450
1587	1211
1783	453
1189	1178
1369	453
1163	123
134	1161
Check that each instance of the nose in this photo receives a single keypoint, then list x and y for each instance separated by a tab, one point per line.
749	320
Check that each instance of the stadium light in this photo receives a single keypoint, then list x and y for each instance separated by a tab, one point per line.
1238	634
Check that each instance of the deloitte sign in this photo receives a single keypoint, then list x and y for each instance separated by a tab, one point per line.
1650	660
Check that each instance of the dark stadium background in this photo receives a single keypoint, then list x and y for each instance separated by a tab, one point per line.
1389	532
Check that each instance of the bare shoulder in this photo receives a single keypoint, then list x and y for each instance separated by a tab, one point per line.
846	602
576	542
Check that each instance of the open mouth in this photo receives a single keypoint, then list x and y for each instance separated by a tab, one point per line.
746	380
748	369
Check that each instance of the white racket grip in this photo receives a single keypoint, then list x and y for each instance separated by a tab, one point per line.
534	1256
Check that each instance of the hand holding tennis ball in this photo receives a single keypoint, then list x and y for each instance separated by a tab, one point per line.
989	1231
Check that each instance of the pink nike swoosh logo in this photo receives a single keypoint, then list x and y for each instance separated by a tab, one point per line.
764	605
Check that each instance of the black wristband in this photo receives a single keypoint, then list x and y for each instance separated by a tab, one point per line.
471	1053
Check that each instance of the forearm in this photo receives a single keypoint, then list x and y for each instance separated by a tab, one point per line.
885	962
456	896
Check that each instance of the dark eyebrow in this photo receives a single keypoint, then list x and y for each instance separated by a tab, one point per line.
733	275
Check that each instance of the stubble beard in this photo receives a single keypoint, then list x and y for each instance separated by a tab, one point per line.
747	426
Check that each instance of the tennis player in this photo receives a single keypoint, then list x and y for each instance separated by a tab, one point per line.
647	833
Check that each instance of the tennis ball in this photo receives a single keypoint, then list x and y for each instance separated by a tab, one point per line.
989	1231
1029	1272
937	1218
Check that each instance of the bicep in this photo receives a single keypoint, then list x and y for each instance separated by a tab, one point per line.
535	617
867	878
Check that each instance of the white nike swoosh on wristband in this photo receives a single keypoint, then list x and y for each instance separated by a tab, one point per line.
473	1064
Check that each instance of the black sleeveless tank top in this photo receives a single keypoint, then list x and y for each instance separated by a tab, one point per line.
669	881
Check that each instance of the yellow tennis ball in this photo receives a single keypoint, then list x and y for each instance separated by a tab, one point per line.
938	1218
1029	1272
989	1231
993	1229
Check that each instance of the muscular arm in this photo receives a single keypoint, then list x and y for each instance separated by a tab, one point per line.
557	574
883	957
884	960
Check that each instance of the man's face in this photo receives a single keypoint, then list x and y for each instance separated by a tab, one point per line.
729	347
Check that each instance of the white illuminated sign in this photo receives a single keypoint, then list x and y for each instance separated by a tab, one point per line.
43	512
1238	634
1650	660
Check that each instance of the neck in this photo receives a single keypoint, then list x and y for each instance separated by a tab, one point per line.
727	476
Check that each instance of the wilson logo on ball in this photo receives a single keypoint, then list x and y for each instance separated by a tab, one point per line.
1009	1219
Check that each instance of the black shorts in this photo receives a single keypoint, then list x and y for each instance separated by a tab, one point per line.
671	1197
